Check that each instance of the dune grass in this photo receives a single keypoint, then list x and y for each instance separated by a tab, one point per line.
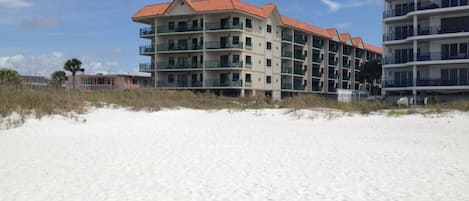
25	101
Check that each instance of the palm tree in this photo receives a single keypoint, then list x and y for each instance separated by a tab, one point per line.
58	77
73	65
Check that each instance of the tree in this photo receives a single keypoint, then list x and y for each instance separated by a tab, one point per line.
74	66
9	77
58	77
371	72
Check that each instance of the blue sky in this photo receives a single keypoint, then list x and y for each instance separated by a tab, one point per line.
37	36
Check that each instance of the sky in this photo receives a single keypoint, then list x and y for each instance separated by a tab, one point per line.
38	36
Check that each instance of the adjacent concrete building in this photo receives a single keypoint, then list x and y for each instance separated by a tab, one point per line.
426	48
108	82
231	47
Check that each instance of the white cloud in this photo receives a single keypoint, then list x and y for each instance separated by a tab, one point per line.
46	64
14	4
335	5
37	23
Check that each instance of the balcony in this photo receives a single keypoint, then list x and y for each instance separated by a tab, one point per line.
334	48
434	30
397	12
224	83
316	88
216	26
179	29
401	83
440	82
437	56
287	54
317	44
287	69
397	36
333	75
177	66
147	32
178	84
147	49
300	57
332	89
300	40
299	71
286	37
299	87
317	59
147	67
333	62
216	45
397	60
346	64
223	65
348	51
316	72
179	47
286	86
346	77
424	5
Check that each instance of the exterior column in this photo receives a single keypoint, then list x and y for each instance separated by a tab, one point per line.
414	67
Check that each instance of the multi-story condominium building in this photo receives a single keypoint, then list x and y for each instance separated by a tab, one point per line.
230	47
426	48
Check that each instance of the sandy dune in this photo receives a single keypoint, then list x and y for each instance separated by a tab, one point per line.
184	155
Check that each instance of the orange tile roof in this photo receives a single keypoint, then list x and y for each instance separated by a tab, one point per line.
305	27
150	10
344	37
263	12
373	48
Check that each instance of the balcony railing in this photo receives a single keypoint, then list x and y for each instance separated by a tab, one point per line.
177	29
316	73
346	64
300	57
219	64
299	71
397	36
434	30
333	62
179	47
147	67
287	86
178	84
300	40
223	26
317	59
401	83
334	48
299	87
439	82
333	75
218	45
318	45
287	54
147	31
287	69
176	66
316	88
332	89
436	56
147	49
286	37
424	5
397	60
223	83
348	51
346	77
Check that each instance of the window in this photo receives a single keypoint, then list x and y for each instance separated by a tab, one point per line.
171	26
248	60
268	79
249	23
248	41
248	78
235	59
269	45
170	78
171	61
235	21
269	62
171	44
269	28
235	40
235	77
134	81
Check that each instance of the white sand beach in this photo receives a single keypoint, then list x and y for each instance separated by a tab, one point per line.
263	155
